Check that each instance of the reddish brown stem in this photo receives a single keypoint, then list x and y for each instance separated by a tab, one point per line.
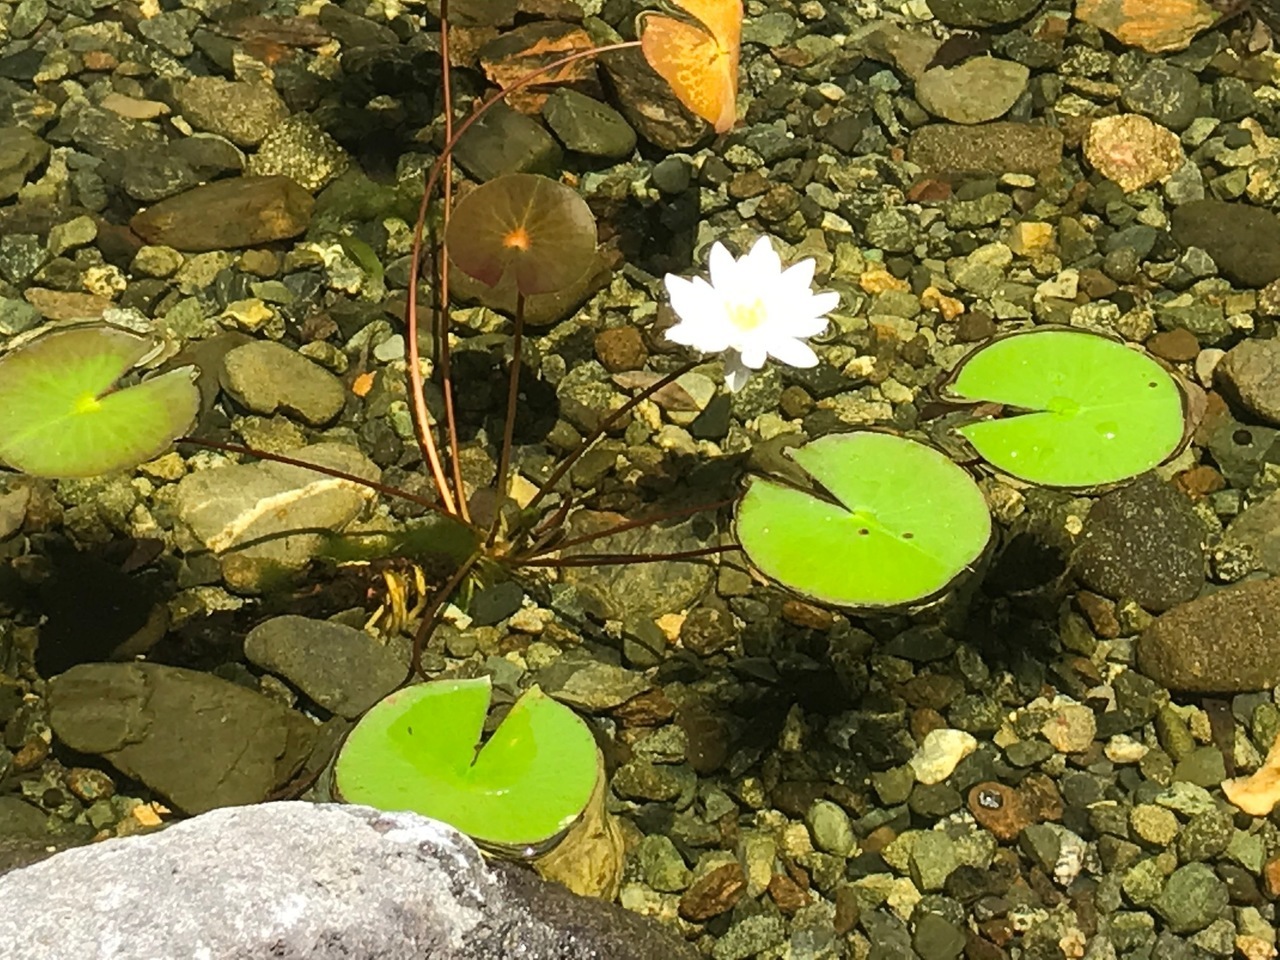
622	559
633	524
416	397
509	427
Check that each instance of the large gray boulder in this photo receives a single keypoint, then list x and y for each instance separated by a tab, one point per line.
307	882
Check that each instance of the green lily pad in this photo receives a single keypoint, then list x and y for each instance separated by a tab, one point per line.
62	416
416	750
902	522
531	228
1087	410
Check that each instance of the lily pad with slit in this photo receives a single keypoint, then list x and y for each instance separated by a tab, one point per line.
63	414
1081	410
517	793
892	522
537	231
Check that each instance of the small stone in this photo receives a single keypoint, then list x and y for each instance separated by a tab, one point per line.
1192	898
830	828
1156	26
941	751
621	348
1132	150
241	111
1000	809
714	893
1153	824
266	376
1071	729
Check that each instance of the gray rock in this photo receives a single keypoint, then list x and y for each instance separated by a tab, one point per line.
1250	375
588	126
266	520
976	91
20	153
504	141
648	589
199	741
267	376
1165	92
1252	539
1226	642
242	112
341	668
324	882
1243	240
1142	542
158	175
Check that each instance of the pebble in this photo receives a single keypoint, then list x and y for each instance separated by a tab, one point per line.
1243	240
1155	26
940	753
226	214
266	376
1250	375
976	91
1132	150
1224	642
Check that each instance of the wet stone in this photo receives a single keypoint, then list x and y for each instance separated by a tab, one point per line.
1000	147
242	112
981	13
1224	642
342	669
1142	542
1192	898
714	893
226	214
1243	240
300	149
976	91
1132	150
1167	93
1250	375
504	141
143	718
266	376
21	153
586	125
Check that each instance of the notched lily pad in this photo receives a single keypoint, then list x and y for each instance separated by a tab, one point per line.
902	522
416	750
61	414
538	231
1083	410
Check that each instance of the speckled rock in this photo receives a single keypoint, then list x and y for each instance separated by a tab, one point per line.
242	112
1226	642
1000	147
241	212
1142	542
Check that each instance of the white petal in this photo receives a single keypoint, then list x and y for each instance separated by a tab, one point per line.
801	274
824	302
735	374
803	326
754	354
763	260
793	352
722	266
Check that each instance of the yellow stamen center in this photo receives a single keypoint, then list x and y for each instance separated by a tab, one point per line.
747	316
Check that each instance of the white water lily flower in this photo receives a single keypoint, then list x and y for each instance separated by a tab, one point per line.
751	309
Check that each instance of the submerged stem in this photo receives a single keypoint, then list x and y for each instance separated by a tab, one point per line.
434	612
421	418
509	427
623	559
632	525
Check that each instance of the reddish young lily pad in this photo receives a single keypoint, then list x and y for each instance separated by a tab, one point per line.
537	231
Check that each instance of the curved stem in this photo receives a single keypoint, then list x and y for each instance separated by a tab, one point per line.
624	559
583	445
417	399
326	471
632	525
444	350
509	427
434	612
